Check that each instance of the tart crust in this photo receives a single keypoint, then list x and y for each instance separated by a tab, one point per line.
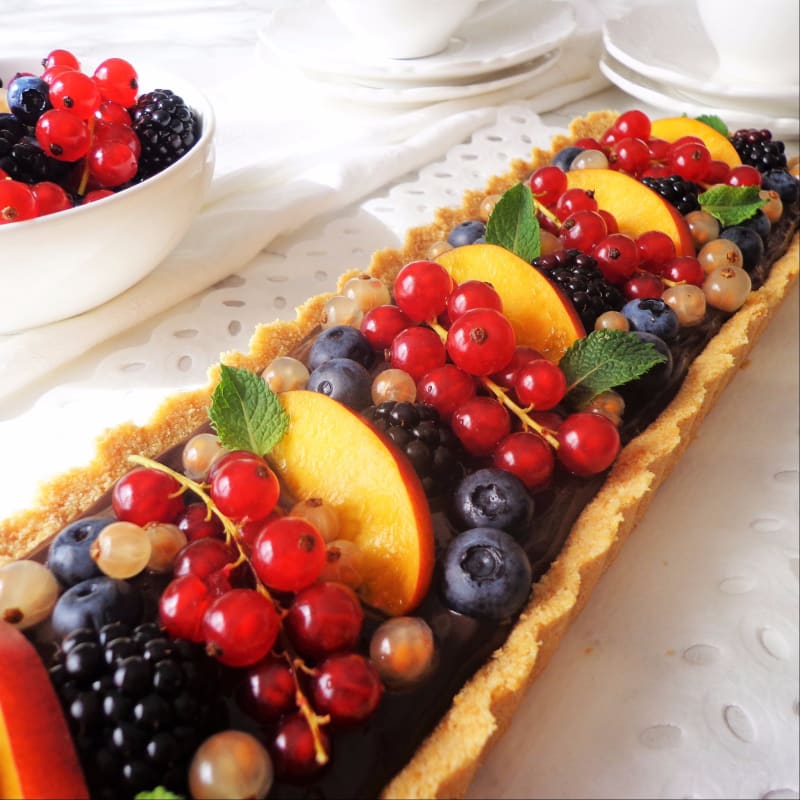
444	764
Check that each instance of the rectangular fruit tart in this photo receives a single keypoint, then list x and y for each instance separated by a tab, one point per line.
333	571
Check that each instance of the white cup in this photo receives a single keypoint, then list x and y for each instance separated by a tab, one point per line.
756	42
408	28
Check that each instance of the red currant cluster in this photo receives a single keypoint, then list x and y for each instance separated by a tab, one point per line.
82	122
629	147
241	553
499	399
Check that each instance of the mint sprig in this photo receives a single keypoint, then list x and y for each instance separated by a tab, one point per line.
731	205
713	121
159	793
513	224
246	413
603	360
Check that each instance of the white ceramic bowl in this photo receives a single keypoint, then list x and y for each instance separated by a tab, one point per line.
63	264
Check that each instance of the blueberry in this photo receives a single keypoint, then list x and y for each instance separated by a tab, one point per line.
780	181
652	315
69	558
749	243
491	498
95	602
344	380
486	574
28	98
467	233
563	158
655	378
759	223
340	341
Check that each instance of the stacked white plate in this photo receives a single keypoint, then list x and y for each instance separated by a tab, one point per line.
660	54
518	41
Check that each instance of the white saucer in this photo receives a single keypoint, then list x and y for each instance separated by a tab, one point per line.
676	101
667	43
395	94
306	35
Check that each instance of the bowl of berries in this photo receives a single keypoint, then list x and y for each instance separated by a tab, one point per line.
101	174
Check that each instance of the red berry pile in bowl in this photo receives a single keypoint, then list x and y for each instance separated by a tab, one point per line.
101	173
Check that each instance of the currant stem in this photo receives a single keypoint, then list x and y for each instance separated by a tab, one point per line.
85	174
501	395
546	212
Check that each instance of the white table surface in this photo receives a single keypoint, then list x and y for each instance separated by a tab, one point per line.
680	679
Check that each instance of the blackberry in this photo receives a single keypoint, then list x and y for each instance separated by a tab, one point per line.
22	158
758	149
429	444
674	189
137	702
167	128
579	277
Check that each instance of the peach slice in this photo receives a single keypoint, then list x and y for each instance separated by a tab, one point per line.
541	316
37	756
332	453
636	207
672	128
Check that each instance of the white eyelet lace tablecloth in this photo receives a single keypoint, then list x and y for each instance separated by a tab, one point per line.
680	679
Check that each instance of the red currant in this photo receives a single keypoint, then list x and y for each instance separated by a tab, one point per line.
417	351
617	257
203	557
583	230
267	690
480	424
719	172
17	202
588	443
445	388
182	607
147	495
744	175
381	324
659	149
289	554
575	200
196	522
548	184
540	384
633	123
51	73
75	92
526	455
62	135
643	284
240	627
245	488
684	269
50	197
60	58
481	341
655	249
324	619
421	289
293	748
522	355
691	161
630	155
610	220
657	171
588	143
472	294
117	132
112	163
117	81
113	113
347	687
96	194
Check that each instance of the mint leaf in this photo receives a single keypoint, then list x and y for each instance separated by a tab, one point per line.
513	223
731	205
246	413
603	360
713	121
159	793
